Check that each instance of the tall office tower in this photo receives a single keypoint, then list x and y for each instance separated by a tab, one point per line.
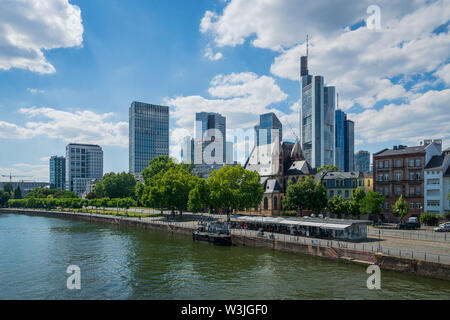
349	146
187	150
362	161
268	124
345	142
210	127
149	134
84	162
229	153
57	172
317	131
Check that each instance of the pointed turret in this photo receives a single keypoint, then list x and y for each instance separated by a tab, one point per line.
297	154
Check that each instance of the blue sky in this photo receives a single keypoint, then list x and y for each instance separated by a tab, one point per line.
71	76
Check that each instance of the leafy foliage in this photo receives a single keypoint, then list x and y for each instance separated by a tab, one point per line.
328	168
116	185
305	194
50	193
8	188
429	219
371	204
4	197
400	208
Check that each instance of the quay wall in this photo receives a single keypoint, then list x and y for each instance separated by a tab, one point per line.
385	262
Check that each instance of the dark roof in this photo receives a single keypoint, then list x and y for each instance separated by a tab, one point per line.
435	162
341	175
299	167
407	150
272	186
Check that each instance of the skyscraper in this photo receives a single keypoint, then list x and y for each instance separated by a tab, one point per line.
57	172
345	142
362	161
210	128
187	150
317	131
84	162
229	153
268	124
149	134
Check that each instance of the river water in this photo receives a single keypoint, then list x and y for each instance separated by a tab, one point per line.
119	262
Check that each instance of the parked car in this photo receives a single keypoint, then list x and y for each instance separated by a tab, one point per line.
412	224
444	227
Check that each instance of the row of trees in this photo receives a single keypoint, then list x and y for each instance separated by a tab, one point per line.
50	193
12	193
75	203
172	186
311	195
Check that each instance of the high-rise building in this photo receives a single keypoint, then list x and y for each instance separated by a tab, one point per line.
317	130
362	161
57	172
187	150
210	128
229	153
84	162
345	142
149	134
268	125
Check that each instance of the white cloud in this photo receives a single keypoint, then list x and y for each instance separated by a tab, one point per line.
359	62
26	172
209	54
426	116
34	90
80	126
240	97
28	27
444	74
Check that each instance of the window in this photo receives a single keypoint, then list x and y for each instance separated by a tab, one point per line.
411	191
411	162
398	176
418	175
346	194
331	194
386	177
398	190
266	204
386	205
368	183
417	162
380	164
417	205
386	163
418	190
386	191
433	203
411	205
380	177
398	163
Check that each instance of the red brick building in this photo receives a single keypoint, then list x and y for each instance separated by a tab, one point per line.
400	171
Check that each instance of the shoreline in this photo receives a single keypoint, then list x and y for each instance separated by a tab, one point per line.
386	262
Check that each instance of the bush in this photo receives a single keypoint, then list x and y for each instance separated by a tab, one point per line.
289	213
429	219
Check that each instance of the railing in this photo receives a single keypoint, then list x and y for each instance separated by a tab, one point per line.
427	235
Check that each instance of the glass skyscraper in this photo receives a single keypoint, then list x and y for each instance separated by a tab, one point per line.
57	172
317	131
148	134
187	150
210	127
268	122
362	161
345	142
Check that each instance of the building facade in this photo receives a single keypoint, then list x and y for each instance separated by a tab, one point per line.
210	137
435	187
317	123
268	129
148	134
362	161
345	142
341	184
187	150
400	171
84	162
57	172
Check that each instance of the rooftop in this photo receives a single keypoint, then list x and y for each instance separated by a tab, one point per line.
399	151
435	162
342	175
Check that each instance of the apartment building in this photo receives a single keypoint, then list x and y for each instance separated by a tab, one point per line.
436	184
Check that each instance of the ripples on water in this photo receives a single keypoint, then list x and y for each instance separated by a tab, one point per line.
130	263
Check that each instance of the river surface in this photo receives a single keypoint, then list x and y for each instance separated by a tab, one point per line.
119	262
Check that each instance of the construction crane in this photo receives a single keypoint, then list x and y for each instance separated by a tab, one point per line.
10	176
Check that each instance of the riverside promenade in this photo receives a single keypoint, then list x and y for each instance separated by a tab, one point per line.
425	263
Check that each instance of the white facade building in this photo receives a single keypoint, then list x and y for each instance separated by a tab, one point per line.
436	184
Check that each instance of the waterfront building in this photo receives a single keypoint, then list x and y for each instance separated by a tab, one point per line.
187	150
210	138
277	163
362	161
84	162
345	142
269	126
400	171
57	172
148	134
436	189
317	123
25	186
341	183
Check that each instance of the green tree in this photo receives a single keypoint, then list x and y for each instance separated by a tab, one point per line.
199	196
156	166
371	204
8	188
400	208
429	219
4	197
18	193
305	194
335	206
50	193
116	185
328	168
357	197
234	188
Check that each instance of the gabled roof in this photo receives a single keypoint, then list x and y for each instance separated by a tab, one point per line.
272	186
299	167
436	162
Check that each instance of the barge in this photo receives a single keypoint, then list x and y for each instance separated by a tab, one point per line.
215	233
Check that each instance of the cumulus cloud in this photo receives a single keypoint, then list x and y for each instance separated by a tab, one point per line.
28	27
444	74
210	55
240	97
80	126
34	90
